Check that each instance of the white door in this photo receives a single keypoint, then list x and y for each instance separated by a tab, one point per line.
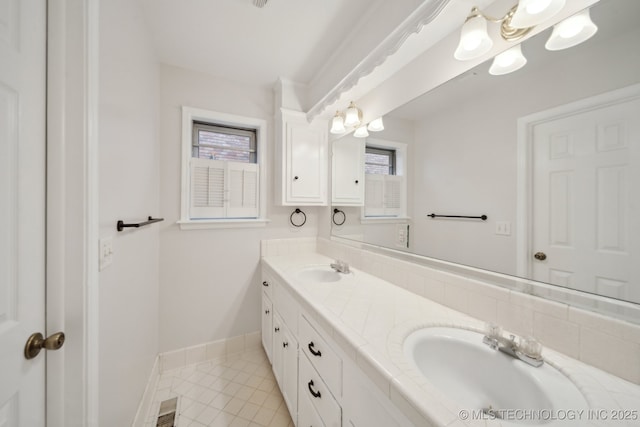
586	200
22	208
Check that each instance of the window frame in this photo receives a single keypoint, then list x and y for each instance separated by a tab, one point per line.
190	116
400	149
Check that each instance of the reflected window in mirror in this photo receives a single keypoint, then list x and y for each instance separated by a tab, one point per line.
380	161
385	186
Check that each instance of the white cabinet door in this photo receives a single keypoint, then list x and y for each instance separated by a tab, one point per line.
267	325
290	372
22	209
285	363
277	351
303	151
347	168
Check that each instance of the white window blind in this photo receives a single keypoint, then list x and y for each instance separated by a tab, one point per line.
223	189
383	195
243	190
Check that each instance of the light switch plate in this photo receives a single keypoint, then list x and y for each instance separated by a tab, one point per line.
106	252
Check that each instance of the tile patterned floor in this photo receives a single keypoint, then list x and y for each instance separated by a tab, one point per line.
238	391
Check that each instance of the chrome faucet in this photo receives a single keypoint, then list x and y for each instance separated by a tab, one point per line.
528	350
340	266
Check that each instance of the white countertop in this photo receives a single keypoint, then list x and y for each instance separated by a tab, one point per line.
369	319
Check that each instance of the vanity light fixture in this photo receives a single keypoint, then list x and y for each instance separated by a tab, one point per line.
474	38
353	116
530	13
376	125
514	25
361	132
337	124
508	61
572	31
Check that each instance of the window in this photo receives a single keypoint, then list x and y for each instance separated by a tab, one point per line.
216	142
379	161
222	170
385	186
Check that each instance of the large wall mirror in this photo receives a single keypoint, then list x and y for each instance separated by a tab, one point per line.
549	153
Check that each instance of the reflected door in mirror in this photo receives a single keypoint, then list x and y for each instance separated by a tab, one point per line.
584	195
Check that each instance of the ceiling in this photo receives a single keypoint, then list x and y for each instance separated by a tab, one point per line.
235	40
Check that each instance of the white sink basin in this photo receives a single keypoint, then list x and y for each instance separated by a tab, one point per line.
319	273
477	377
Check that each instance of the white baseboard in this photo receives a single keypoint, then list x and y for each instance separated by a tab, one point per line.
210	350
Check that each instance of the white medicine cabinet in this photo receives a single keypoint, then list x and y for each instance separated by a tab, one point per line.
347	168
301	160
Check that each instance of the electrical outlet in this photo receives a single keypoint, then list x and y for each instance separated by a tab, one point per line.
503	228
106	252
401	236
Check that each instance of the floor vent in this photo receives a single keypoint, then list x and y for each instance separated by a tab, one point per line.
167	413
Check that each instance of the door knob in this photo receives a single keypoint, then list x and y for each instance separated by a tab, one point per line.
540	256
37	342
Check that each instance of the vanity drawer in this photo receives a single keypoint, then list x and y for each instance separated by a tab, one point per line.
311	386
322	357
307	414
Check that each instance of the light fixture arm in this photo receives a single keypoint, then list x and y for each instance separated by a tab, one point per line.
507	32
477	12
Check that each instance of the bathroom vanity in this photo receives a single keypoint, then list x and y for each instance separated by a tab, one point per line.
320	383
337	343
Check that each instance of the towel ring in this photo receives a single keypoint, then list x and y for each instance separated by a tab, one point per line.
333	217
304	220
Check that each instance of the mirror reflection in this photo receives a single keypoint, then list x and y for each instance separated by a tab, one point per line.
549	153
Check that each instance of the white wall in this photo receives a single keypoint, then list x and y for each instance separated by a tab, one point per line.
465	155
209	279
129	158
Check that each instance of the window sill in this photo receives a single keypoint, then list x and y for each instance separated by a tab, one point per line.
205	224
385	220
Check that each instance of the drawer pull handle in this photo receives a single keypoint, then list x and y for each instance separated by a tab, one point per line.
265	283
314	393
314	352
